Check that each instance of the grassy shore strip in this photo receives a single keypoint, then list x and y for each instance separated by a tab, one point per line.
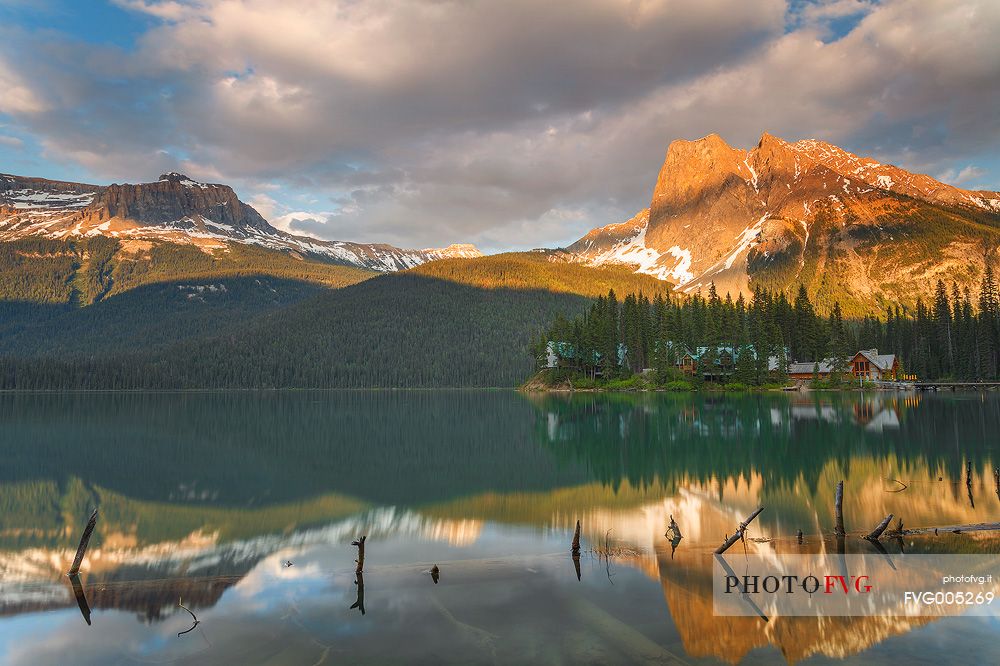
561	380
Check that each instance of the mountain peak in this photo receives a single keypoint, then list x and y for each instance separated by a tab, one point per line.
464	250
174	177
708	144
768	139
785	213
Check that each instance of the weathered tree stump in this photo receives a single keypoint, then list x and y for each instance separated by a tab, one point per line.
360	543
435	574
674	529
575	548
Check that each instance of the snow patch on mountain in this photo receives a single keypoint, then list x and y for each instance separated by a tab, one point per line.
27	199
681	271
630	249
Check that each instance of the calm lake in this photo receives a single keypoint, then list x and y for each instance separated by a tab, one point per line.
206	498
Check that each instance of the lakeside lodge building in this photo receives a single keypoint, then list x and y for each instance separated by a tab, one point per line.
718	363
867	364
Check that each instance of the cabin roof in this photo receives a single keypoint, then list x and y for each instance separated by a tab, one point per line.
880	361
806	367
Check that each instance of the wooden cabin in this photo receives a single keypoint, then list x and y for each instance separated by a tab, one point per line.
687	363
869	364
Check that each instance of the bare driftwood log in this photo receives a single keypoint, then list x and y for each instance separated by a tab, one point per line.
968	483
902	486
81	598
360	543
838	509
84	542
882	551
575	550
955	529
360	582
877	532
739	532
607	555
194	618
743	593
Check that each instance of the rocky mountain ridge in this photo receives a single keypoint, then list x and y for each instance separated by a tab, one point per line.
850	228
179	210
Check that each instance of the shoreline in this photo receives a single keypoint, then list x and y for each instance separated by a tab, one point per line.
543	382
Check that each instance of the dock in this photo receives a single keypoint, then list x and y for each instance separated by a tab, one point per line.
955	386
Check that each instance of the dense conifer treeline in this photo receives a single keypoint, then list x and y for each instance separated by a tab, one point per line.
450	323
956	336
395	331
409	330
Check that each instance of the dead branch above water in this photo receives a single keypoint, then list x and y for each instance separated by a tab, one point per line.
360	543
84	542
877	532
838	509
740	530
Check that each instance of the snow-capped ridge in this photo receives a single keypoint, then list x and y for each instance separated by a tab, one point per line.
209	216
719	213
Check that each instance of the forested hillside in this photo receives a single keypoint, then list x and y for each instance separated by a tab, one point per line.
85	270
400	330
145	319
452	323
544	269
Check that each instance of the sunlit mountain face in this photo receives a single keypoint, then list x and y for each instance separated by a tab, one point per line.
253	534
849	228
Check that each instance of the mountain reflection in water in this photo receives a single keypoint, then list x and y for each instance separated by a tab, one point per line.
205	496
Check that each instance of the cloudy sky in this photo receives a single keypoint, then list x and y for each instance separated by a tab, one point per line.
508	123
